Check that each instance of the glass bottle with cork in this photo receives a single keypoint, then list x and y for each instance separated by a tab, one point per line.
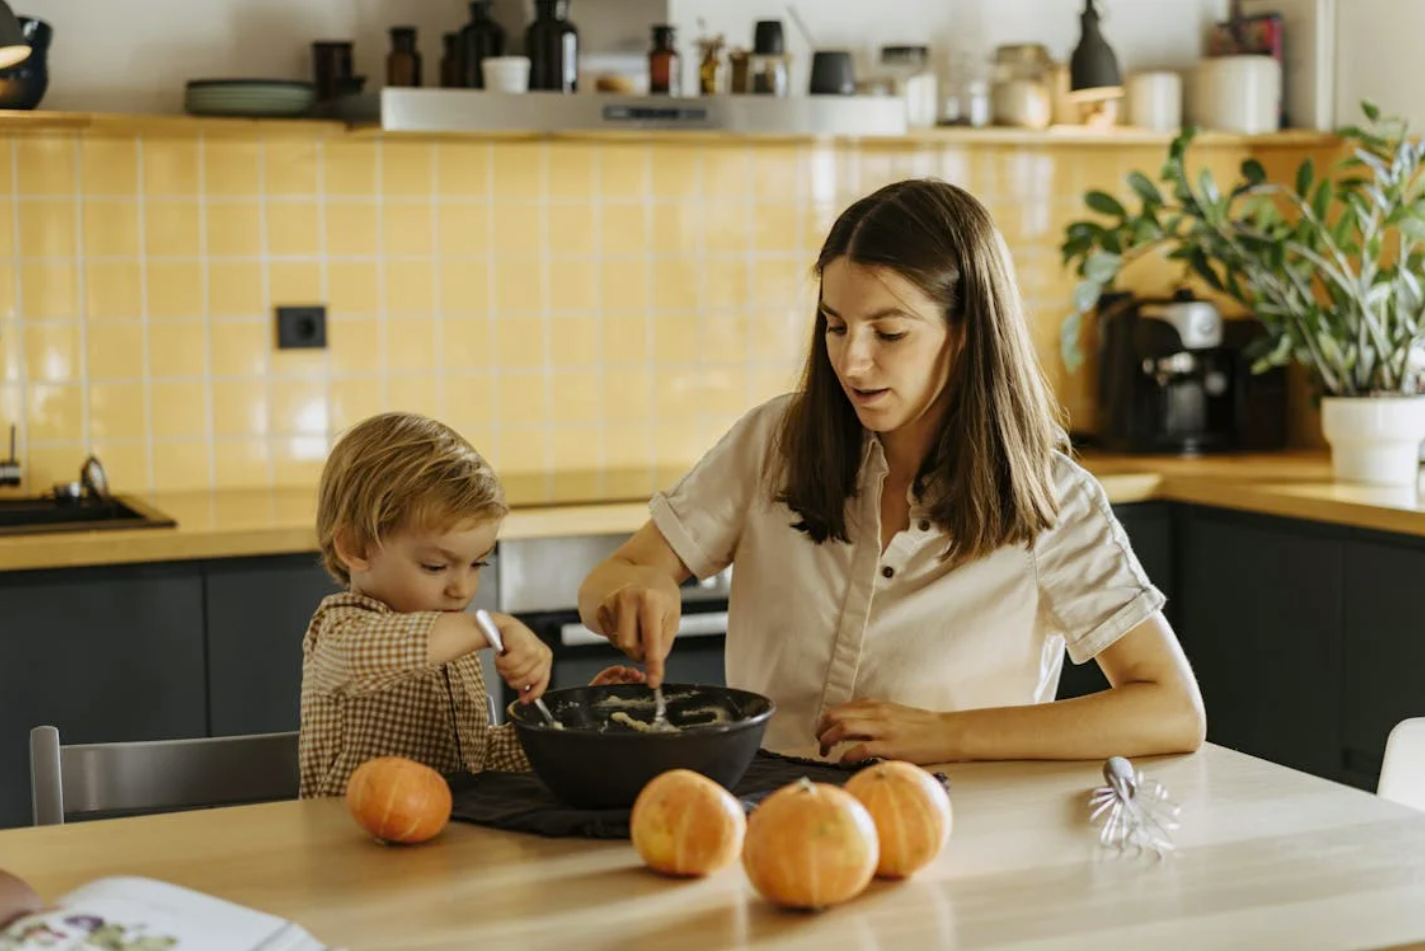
481	39
403	65
552	44
664	66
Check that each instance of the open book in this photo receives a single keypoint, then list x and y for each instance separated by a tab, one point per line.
141	914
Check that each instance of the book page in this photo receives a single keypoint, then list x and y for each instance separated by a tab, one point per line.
140	914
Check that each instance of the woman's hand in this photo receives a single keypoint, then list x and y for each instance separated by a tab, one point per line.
641	619
885	730
617	675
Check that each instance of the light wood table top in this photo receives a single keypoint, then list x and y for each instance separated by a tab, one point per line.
1267	858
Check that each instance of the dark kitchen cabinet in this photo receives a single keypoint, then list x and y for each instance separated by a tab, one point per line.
1260	610
1384	638
257	611
104	654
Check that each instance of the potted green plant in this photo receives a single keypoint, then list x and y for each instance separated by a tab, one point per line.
1333	266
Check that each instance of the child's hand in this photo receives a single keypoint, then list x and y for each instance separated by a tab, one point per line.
617	675
525	664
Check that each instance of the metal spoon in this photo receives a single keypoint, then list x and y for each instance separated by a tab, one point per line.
660	712
492	634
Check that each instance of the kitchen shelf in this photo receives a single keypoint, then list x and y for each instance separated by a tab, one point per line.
103	123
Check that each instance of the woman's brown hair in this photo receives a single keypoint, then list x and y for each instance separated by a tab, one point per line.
988	478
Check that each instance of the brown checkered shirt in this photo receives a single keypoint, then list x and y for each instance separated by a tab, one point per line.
368	691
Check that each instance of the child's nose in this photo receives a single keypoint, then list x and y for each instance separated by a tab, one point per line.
463	586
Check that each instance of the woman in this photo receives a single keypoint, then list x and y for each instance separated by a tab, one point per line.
913	550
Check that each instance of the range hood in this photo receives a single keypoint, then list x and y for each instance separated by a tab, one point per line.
465	110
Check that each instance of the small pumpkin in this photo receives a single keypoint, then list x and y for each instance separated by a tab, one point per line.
810	846
912	813
685	824
398	800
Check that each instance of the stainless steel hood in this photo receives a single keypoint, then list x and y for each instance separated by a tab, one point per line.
463	110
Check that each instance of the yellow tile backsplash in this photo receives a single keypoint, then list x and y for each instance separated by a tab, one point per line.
593	314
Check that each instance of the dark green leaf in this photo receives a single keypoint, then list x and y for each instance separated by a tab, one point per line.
1304	176
1112	241
1105	204
1145	189
1371	110
1321	201
1254	172
1199	263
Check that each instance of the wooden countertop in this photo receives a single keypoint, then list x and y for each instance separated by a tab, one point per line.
1267	857
227	524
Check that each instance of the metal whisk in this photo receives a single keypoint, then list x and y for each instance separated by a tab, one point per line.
1136	810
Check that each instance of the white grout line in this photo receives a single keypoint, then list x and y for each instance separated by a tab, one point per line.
267	354
80	285
150	456
22	425
437	356
601	438
205	282
492	308
546	321
323	287
383	315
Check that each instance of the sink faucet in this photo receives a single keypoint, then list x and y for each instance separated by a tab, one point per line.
10	468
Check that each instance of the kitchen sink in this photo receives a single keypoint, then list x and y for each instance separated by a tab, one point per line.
34	516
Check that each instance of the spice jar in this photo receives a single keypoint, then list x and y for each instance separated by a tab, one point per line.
1022	95
452	73
664	67
403	65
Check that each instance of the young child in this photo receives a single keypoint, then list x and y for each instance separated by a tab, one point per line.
408	513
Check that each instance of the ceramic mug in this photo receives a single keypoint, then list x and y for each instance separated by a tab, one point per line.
506	73
1155	100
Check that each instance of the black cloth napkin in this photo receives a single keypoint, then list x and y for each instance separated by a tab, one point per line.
520	802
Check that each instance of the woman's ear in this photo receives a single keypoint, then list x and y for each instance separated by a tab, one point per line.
350	554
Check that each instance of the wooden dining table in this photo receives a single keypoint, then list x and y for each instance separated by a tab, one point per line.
1266	858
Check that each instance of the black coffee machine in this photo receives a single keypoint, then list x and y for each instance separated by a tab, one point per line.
1173	378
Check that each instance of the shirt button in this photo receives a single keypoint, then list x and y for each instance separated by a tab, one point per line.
925	525
888	572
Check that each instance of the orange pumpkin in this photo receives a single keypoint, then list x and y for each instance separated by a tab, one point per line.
686	824
911	810
398	800
810	845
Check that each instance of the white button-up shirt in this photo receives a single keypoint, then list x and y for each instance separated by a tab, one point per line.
814	626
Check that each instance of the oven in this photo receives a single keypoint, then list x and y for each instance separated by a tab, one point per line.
538	582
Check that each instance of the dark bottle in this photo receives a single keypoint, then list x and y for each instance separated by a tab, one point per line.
552	44
452	72
403	66
664	69
481	38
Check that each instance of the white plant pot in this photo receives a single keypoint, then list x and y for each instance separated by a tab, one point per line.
1374	440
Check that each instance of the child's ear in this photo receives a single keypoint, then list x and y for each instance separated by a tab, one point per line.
351	554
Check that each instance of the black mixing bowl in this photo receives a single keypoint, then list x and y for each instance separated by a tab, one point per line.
598	761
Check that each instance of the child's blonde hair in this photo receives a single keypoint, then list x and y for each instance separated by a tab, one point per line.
399	470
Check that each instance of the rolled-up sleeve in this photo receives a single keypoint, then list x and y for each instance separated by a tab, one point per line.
360	652
1092	588
702	516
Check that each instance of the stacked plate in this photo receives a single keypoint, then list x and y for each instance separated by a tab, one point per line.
255	98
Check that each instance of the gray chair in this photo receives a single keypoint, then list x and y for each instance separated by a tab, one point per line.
106	779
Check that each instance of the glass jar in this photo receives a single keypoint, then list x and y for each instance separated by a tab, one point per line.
664	67
911	77
1022	93
403	65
